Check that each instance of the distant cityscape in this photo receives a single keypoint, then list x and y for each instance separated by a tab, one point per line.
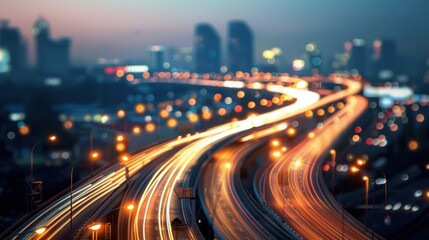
377	62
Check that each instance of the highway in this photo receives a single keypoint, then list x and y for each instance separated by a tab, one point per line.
302	198
233	212
237	219
157	205
153	197
55	217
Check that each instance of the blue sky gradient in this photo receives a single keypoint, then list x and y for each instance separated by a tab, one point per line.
124	29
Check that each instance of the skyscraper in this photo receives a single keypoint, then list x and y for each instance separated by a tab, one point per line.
156	58
207	49
240	47
53	56
384	56
12	45
357	59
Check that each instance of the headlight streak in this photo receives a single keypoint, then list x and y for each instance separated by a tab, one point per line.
305	99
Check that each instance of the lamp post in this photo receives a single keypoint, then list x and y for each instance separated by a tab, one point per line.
333	163
366	179
94	155
130	208
51	138
94	227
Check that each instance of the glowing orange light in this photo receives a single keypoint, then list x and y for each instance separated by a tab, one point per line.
206	115
275	100
25	130
251	105
379	126
124	157
320	112
275	143
217	97
136	130
120	147
354	169
420	118
309	113
291	132
150	127
193	118
241	94
172	123
360	162
140	108
120	73
263	102
120	113
192	101
95	227
164	113
277	154
68	124
413	145
146	75
130	207
221	111
94	155
120	138
130	77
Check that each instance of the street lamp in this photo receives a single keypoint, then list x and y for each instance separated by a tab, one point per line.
333	163
366	179
94	228
51	138
362	162
40	230
130	208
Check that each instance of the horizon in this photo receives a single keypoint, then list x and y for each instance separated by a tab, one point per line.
174	26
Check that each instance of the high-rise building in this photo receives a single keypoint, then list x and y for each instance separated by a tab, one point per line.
384	56
207	49
13	47
53	56
156	58
314	57
357	59
240	47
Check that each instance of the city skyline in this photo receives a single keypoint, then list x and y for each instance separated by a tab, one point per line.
214	119
155	23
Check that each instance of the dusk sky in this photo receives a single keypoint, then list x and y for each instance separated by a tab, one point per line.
124	29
